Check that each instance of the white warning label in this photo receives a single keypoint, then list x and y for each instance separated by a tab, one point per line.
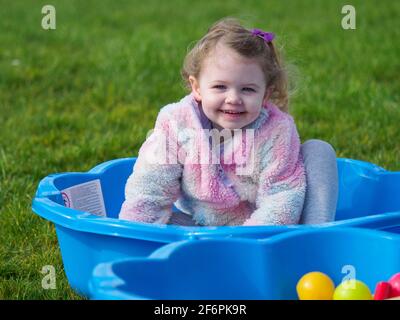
86	197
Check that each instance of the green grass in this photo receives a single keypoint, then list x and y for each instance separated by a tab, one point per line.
90	90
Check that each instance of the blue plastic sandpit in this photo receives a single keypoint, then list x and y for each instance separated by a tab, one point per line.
368	197
250	269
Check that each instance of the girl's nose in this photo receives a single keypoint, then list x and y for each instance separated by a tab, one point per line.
233	98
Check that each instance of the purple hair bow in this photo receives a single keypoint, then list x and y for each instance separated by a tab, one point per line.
267	36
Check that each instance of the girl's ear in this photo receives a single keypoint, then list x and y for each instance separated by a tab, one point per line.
268	94
195	88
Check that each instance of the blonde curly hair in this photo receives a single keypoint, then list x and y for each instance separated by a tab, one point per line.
231	33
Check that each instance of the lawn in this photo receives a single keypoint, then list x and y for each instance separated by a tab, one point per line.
89	91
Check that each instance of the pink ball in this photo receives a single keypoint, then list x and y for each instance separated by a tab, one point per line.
395	285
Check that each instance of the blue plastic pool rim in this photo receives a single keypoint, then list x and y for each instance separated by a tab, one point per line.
87	222
105	283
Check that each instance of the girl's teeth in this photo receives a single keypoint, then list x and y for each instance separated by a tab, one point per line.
231	112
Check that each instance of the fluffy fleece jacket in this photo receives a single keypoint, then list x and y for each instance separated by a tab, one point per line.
257	179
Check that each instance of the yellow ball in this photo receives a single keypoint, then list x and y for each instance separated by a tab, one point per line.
315	286
352	290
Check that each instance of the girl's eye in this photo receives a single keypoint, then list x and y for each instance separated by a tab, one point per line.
219	86
249	89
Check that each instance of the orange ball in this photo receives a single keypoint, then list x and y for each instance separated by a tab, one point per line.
315	286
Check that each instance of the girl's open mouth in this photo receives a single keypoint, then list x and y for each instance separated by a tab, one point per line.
232	112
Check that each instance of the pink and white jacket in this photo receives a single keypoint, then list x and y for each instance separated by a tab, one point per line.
258	179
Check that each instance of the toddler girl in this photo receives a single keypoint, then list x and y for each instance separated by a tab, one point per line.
228	153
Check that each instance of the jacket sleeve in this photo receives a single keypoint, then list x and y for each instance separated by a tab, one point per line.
282	181
154	184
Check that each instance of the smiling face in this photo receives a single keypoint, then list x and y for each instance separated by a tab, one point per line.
231	88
